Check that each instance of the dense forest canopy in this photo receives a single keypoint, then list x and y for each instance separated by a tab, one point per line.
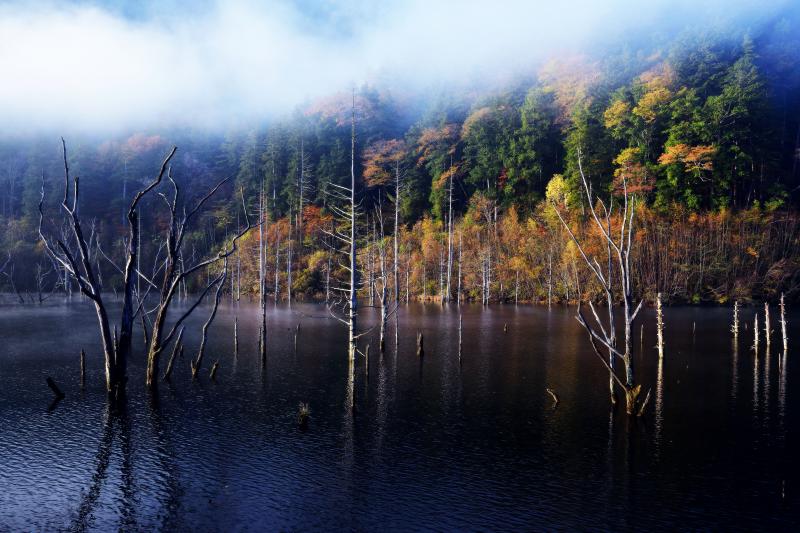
702	126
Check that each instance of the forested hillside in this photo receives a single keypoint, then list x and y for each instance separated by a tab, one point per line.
704	130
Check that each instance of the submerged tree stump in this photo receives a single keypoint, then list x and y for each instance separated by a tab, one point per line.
213	373
83	368
420	347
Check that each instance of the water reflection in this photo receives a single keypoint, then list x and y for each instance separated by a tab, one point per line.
419	445
659	407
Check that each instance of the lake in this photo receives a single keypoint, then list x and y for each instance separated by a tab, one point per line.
431	445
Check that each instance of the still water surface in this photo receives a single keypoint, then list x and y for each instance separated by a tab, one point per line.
432	445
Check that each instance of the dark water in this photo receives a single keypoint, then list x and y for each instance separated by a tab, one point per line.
431	446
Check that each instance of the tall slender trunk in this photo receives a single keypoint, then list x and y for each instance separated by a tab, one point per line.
449	233
458	290
353	305
396	230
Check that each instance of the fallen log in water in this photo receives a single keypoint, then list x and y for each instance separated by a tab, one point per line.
53	387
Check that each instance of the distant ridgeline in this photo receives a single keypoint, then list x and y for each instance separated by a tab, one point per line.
703	131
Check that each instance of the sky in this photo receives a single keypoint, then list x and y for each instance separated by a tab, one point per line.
107	65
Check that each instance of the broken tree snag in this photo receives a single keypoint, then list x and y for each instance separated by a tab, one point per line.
83	368
783	327
554	396
220	281
505	328
735	326
303	414
755	333
236	336
296	334
171	363
214	368
644	403
767	329
54	388
660	324
420	348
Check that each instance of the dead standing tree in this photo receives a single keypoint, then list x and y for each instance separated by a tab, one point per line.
346	235
176	272
618	249
117	348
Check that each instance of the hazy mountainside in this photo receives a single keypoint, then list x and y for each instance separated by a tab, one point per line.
699	127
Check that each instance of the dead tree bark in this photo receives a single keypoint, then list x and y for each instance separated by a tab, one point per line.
397	180
784	334
767	326
620	249
220	282
236	336
660	326
449	233
174	273
175	349
83	368
83	271
347	236
755	333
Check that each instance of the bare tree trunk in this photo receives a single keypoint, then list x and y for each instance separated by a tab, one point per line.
660	326
783	327
620	250
755	333
458	290
277	270
550	282
449	234
735	326
220	281
178	347
767	326
353	296
396	231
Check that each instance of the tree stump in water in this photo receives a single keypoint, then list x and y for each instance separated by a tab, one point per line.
420	348
83	368
214	368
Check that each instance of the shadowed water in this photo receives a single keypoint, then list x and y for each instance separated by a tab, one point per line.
432	445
